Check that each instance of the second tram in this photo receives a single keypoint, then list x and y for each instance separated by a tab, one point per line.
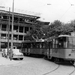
63	47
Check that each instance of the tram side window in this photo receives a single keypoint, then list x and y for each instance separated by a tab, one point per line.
33	45
25	45
28	45
39	45
50	44
73	45
54	43
70	43
62	42
46	45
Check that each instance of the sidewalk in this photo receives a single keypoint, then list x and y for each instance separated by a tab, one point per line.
5	61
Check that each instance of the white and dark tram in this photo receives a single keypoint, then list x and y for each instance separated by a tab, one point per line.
63	48
58	48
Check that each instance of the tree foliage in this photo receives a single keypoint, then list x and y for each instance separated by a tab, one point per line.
54	29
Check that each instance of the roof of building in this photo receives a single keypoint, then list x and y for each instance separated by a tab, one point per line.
20	14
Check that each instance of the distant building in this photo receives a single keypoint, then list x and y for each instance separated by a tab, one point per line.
22	24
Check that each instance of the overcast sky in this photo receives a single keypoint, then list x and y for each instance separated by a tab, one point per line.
48	10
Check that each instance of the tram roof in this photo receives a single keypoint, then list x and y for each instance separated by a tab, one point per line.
69	36
64	36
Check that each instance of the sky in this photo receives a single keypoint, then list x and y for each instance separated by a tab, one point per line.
48	10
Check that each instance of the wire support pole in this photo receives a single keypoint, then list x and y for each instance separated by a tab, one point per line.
12	26
8	29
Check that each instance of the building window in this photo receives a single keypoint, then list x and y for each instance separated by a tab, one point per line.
15	37
11	18
3	45
3	36
21	37
4	27
10	28
16	19
26	29
5	17
15	29
9	36
21	20
21	29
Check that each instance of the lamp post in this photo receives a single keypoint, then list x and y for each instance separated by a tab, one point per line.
12	30
8	31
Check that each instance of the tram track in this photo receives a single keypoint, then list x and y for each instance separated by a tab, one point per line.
57	69
72	71
52	70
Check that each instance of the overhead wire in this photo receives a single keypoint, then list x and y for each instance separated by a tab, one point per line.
67	9
65	12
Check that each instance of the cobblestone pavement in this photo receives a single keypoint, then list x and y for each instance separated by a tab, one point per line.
34	66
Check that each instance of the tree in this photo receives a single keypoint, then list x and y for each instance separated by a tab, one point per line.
54	29
35	33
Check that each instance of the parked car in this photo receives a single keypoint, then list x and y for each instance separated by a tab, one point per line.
16	53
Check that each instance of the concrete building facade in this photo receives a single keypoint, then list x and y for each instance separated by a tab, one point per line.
22	24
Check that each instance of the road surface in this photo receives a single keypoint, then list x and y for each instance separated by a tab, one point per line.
35	66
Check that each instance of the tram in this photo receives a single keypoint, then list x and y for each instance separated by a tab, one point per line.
56	49
35	48
63	48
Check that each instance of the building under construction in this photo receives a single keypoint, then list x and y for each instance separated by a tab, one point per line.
21	25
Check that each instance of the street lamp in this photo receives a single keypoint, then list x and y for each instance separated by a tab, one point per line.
12	29
8	29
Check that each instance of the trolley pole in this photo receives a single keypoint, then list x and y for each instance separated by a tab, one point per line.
12	29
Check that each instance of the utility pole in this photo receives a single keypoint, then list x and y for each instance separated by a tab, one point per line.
8	31
12	30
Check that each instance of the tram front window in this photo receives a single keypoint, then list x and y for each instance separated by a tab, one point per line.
61	42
